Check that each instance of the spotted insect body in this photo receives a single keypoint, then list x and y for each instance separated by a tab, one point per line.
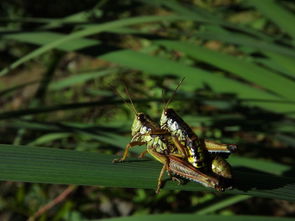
195	153
163	147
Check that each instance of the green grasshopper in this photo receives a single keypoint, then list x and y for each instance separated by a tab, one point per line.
191	147
164	151
145	131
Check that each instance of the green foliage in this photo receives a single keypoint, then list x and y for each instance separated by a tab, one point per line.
239	69
45	165
187	217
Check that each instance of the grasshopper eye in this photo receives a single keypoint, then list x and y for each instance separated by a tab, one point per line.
141	117
167	112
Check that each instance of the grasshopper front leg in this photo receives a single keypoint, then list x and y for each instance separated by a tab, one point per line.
159	131
181	150
125	154
141	155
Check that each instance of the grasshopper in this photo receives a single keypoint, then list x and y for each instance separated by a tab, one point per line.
159	145
191	147
165	152
145	131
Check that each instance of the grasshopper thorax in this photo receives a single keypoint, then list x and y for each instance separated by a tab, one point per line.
171	121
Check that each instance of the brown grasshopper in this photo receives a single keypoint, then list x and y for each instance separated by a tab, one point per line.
193	148
196	151
159	145
165	152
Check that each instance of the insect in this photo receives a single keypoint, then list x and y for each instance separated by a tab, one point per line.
165	152
145	131
191	147
180	167
159	145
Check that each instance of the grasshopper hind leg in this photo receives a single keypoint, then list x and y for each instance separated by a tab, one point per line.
179	180
142	154
160	181
165	161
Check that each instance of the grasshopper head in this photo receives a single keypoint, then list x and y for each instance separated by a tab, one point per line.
169	113
221	167
166	115
142	122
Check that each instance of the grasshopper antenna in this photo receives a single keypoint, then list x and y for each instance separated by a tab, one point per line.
163	97
174	92
131	107
129	97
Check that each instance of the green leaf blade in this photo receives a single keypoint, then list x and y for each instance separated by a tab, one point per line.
48	165
247	70
193	217
86	32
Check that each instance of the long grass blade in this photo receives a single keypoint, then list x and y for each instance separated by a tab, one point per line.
275	12
222	204
190	217
247	70
48	165
244	40
198	78
79	78
46	37
86	32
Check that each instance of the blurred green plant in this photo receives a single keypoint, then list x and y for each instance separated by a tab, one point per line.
238	60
